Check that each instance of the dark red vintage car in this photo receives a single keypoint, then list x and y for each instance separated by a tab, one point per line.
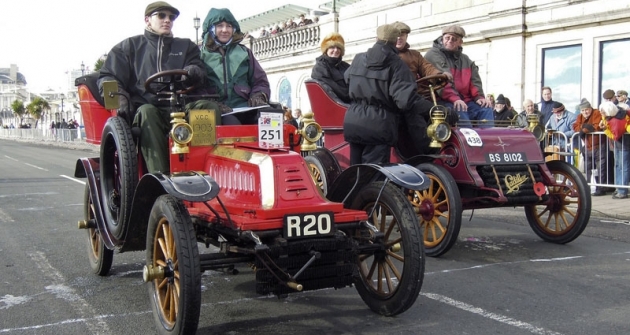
246	193
469	168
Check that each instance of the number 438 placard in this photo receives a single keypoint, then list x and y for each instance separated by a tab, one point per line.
270	130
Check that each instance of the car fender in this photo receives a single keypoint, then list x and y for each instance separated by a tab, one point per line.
352	180
187	186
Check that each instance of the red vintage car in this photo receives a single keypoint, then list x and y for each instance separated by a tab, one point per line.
469	168
246	192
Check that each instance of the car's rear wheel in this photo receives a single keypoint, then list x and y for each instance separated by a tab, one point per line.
173	268
565	216
391	274
119	174
99	256
439	210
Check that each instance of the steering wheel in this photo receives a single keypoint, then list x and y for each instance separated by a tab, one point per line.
164	87
437	82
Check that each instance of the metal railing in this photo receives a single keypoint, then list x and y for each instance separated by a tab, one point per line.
54	135
589	160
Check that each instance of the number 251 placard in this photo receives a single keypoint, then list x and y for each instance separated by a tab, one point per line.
270	130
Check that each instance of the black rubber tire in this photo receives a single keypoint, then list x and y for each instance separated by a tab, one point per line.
119	174
401	258
99	256
318	172
439	210
568	211
170	223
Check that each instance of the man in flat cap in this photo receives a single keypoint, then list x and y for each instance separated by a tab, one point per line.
383	94
465	94
132	61
419	66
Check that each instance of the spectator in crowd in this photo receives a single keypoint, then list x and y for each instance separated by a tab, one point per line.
131	62
383	94
465	95
291	24
263	33
503	116
288	117
298	115
546	104
232	70
419	66
330	68
316	19
561	122
622	96
276	29
595	155
529	108
490	99
304	21
616	125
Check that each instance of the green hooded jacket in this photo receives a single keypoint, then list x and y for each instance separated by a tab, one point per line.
231	69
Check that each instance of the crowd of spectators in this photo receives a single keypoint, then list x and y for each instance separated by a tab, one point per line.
286	26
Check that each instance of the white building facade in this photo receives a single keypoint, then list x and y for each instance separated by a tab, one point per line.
574	46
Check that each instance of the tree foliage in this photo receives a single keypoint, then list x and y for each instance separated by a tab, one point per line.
37	107
99	64
18	109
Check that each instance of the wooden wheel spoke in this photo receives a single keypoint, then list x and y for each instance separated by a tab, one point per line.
395	255
393	267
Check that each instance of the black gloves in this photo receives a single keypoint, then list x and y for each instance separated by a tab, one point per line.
223	108
588	128
257	99
195	75
452	117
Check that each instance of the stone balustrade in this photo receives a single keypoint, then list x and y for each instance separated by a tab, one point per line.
285	42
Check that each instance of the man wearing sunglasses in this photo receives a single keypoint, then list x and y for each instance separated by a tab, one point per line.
134	60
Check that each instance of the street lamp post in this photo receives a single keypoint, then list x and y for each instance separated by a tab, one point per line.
197	24
82	69
63	96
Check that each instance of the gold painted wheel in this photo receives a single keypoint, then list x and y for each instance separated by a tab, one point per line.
565	215
172	248
439	210
390	277
99	256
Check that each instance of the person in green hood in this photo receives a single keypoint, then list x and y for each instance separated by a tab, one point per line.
232	71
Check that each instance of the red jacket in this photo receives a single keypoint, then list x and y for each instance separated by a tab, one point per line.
594	120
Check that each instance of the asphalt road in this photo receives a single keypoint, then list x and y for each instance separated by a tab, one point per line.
498	279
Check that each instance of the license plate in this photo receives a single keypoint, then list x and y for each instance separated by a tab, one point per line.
506	158
309	225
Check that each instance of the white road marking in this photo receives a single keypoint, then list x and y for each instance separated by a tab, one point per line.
4	217
73	179
11	158
82	307
35	166
493	316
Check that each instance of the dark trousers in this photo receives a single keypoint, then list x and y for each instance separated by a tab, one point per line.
364	154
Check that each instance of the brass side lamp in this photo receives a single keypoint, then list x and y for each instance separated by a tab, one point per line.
181	133
535	127
311	131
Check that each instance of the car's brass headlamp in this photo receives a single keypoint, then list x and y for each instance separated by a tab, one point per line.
181	133
438	130
311	131
535	127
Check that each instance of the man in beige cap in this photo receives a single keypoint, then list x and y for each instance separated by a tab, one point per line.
383	94
419	66
132	61
465	94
